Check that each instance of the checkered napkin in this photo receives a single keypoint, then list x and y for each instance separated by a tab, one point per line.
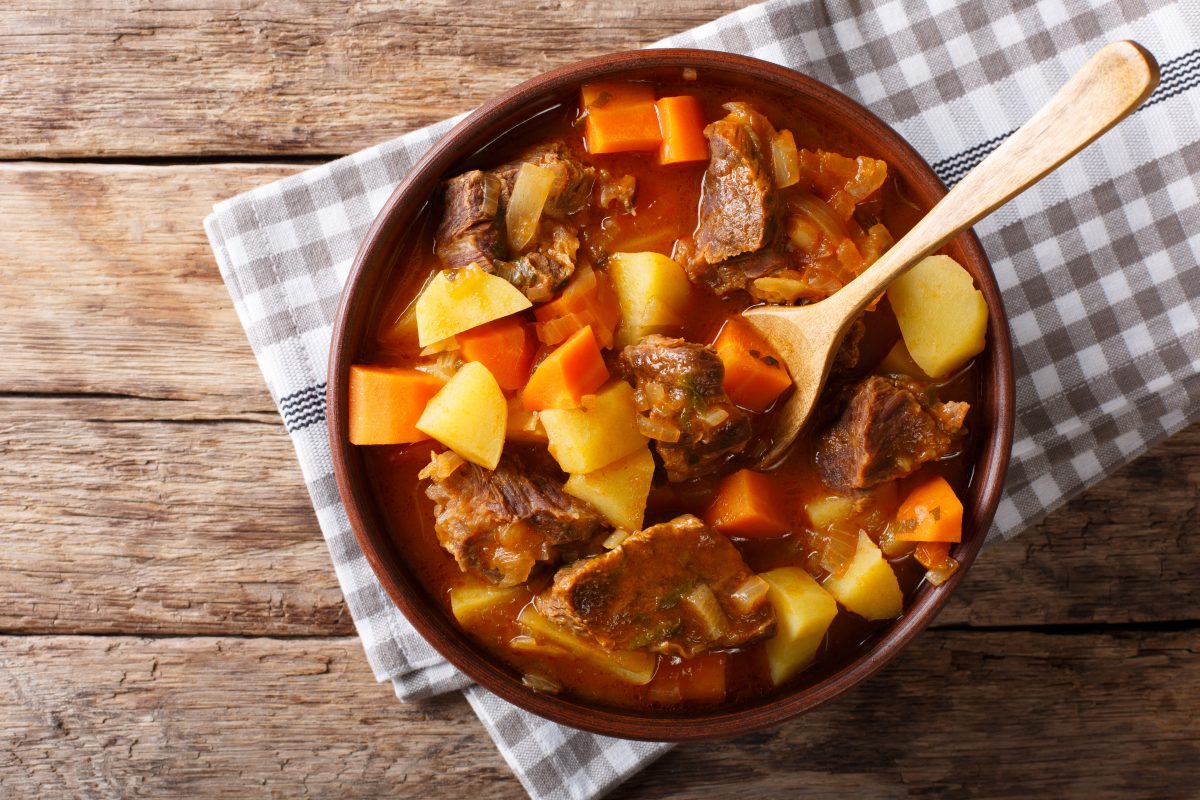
1098	265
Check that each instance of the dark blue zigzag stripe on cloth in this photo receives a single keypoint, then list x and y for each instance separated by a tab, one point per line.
1178	76
303	408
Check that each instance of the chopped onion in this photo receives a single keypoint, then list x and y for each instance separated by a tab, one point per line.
804	233
441	466
780	290
892	547
820	214
714	417
784	159
750	595
443	366
540	684
704	606
529	195
942	572
658	430
615	538
835	547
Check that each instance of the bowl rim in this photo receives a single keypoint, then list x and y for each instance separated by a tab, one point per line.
455	645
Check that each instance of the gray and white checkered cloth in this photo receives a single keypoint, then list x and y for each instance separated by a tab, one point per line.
1098	265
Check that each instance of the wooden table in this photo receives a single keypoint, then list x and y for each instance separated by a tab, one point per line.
171	623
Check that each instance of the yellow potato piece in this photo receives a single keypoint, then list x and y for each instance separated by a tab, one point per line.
597	433
803	613
868	587
942	316
824	511
470	599
469	415
473	297
618	491
652	291
636	667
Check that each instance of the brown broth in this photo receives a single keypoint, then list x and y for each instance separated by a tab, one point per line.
666	209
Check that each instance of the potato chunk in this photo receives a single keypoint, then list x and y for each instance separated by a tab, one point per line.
469	415
471	599
596	434
618	491
803	612
635	667
652	291
868	587
942	316
473	297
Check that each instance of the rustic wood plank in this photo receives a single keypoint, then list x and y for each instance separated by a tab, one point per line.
128	717
230	77
126	516
111	287
960	714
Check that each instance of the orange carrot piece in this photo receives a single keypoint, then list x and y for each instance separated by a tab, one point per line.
505	346
611	94
386	402
563	378
681	121
754	374
930	513
589	299
932	555
748	505
620	118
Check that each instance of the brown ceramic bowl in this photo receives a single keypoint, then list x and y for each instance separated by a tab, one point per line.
993	420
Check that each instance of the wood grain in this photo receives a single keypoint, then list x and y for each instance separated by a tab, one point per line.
111	287
238	77
124	516
168	718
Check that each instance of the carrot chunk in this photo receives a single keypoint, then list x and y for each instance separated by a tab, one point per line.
754	374
930	513
681	121
621	118
573	370
506	347
386	402
589	299
747	504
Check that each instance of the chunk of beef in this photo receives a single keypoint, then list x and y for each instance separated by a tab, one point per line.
573	180
738	204
672	588
679	389
472	228
546	268
501	524
888	428
614	190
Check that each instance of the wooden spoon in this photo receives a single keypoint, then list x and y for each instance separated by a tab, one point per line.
1110	85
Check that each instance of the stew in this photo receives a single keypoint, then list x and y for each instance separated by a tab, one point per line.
563	412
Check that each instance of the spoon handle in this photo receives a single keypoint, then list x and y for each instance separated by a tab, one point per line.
1113	83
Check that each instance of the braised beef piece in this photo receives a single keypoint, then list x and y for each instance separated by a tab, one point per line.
671	588
738	202
887	429
472	228
679	388
572	189
501	524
